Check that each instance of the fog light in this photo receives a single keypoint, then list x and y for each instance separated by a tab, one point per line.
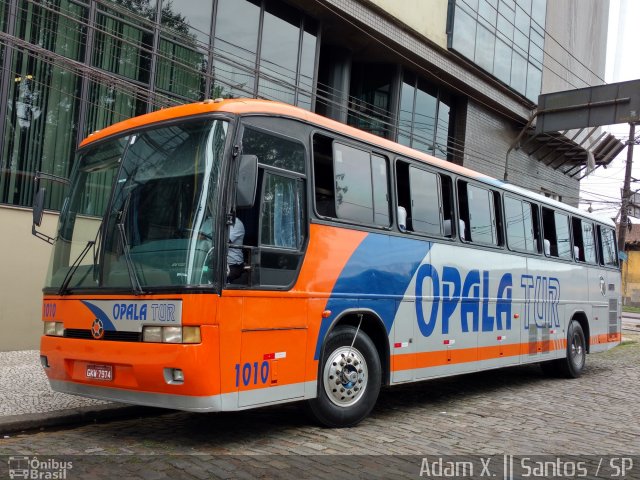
173	376
44	361
152	334
172	334
178	376
191	335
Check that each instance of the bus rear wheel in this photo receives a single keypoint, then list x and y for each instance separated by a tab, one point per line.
573	364
349	379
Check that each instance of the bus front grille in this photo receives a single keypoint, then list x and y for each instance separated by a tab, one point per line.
108	335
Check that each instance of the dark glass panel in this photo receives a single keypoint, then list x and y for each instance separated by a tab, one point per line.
563	235
379	176
236	30
425	118
273	151
307	65
405	120
353	184
232	81
109	104
181	70
40	129
370	98
442	132
123	42
588	241
189	18
425	202
58	26
279	53
480	215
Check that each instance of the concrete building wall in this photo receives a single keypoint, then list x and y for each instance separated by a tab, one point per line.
25	260
579	26
487	139
428	19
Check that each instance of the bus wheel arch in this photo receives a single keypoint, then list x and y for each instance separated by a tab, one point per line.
573	363
582	319
350	371
374	327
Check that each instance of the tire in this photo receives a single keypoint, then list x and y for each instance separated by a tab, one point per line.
573	364
345	401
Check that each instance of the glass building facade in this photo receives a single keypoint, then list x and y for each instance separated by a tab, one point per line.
504	38
70	67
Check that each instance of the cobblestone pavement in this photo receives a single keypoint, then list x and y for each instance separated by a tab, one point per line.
513	411
24	388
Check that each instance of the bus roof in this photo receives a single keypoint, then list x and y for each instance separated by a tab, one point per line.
242	106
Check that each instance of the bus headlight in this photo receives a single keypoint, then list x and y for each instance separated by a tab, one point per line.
152	334
54	329
171	334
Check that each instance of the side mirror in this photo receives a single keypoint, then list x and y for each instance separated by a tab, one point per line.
38	203
247	181
38	206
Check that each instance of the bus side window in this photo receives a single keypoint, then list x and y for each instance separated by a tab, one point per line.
555	226
350	183
607	243
323	176
581	239
477	209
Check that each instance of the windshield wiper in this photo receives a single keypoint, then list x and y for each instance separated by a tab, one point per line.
133	275
74	267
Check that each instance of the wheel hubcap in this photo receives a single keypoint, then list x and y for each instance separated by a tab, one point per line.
345	376
577	350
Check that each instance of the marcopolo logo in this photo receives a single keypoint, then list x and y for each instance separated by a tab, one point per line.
36	469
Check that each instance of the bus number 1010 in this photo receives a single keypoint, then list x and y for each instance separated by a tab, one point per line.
250	372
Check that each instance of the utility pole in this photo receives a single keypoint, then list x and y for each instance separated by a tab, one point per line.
626	190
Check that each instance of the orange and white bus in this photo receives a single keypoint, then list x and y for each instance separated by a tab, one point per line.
354	262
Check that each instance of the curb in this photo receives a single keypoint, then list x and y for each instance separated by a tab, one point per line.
72	416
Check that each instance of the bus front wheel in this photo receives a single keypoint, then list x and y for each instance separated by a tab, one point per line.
349	379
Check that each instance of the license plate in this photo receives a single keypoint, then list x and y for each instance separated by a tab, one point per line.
100	372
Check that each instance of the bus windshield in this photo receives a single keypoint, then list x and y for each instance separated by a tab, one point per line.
141	211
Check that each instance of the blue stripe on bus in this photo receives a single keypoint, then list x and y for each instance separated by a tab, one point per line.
376	277
106	321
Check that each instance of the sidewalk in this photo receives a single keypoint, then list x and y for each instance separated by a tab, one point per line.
27	402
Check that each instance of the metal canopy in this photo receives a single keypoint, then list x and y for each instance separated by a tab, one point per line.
563	153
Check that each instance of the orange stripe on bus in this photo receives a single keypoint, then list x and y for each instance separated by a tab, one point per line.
408	361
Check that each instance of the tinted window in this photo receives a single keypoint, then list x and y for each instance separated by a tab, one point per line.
380	190
563	235
608	243
481	226
281	214
354	199
425	202
588	240
519	221
273	151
